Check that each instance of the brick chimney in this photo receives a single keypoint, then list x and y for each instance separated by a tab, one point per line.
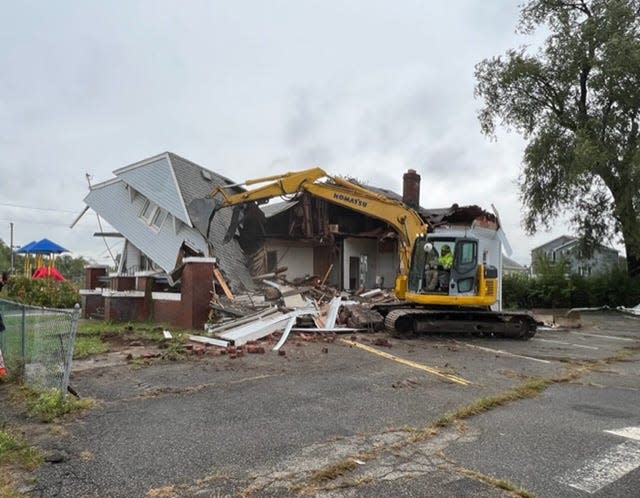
411	188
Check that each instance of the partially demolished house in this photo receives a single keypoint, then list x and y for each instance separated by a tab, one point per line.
173	243
350	250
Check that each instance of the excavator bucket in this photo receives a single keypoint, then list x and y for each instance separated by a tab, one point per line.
201	212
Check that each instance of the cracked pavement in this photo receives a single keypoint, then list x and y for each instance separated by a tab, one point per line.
342	423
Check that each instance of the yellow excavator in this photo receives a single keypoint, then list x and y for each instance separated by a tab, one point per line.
435	297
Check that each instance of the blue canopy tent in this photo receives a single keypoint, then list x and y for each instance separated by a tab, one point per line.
40	248
45	246
25	249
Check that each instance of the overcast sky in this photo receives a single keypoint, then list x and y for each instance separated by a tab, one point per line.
249	88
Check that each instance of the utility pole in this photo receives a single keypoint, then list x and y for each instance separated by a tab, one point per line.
11	270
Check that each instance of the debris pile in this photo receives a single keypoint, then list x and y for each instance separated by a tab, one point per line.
306	307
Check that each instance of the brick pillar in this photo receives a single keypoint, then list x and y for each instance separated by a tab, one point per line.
197	283
92	273
411	188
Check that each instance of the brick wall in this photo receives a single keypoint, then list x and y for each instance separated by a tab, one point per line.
191	311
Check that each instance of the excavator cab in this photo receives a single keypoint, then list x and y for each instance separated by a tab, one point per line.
447	266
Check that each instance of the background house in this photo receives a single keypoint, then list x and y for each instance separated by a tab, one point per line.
511	267
568	248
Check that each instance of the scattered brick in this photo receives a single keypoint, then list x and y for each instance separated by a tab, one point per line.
381	341
325	350
282	352
148	354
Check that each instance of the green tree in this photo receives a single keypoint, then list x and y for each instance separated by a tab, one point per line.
71	268
577	103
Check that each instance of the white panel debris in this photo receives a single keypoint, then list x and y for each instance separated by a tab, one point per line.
285	334
209	340
262	327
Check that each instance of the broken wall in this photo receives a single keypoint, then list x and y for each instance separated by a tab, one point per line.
296	256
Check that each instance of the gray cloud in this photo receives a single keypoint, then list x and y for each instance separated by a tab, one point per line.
248	89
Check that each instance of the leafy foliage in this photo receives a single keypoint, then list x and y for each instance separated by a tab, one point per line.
554	288
42	292
577	102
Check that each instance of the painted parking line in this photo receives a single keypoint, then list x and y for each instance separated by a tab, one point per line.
564	343
506	353
606	336
628	432
613	464
413	364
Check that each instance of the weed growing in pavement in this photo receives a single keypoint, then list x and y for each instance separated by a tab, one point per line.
493	481
15	453
50	404
333	471
13	450
527	389
174	349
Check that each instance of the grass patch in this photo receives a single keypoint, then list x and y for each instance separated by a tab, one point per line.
174	348
96	336
14	451
89	345
51	404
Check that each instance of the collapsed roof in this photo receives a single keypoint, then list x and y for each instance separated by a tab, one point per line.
157	205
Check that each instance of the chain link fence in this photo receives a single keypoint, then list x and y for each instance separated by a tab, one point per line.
37	343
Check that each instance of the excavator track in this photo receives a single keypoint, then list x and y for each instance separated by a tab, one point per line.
406	321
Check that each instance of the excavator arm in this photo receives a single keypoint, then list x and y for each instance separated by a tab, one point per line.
405	221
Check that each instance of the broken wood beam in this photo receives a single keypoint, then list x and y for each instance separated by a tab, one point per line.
326	275
222	282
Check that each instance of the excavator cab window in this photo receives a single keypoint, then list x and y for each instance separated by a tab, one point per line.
464	266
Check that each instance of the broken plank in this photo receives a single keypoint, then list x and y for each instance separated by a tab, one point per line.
222	282
209	340
337	330
229	311
326	275
241	321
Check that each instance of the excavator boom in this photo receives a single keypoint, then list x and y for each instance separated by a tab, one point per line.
406	222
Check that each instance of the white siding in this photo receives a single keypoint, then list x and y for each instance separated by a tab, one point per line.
113	203
156	181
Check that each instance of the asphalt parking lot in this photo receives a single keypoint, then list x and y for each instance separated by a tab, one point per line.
351	418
